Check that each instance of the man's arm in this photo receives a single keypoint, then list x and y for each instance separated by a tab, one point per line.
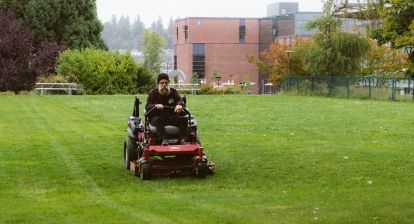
150	101
177	98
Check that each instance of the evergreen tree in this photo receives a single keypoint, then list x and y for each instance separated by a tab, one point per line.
157	27
72	23
138	28
169	33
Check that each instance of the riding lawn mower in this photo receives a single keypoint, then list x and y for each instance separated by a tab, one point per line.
146	156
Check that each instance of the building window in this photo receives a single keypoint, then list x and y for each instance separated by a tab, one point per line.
199	61
242	31
175	62
185	31
198	49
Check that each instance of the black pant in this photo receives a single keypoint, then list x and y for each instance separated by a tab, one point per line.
159	121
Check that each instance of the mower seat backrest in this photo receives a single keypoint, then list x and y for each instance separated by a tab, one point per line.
169	129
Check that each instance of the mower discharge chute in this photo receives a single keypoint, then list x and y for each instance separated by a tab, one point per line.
144	155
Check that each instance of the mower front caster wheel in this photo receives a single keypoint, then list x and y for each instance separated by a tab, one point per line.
145	171
201	170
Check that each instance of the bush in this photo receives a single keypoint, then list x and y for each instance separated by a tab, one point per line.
103	72
52	79
145	81
209	89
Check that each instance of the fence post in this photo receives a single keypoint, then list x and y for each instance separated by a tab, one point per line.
297	85
409	86
312	84
369	87
347	86
394	84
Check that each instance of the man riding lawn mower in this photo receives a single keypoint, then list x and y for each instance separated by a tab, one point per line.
166	143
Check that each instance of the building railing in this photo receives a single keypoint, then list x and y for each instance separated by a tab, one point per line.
43	88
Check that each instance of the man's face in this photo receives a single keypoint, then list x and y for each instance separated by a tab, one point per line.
163	87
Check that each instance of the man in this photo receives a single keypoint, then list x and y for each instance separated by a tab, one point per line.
161	97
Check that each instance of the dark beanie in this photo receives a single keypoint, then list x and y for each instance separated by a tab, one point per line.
162	76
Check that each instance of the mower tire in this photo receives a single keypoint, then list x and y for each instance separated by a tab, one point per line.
130	151
145	171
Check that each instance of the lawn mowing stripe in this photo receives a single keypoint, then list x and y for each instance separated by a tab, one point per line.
76	169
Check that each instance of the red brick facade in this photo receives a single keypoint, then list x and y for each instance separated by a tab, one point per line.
223	50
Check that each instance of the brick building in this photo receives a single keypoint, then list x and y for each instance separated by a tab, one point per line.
204	46
212	45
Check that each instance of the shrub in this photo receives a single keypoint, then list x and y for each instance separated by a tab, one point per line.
209	89
103	72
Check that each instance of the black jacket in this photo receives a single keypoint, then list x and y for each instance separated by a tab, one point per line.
172	99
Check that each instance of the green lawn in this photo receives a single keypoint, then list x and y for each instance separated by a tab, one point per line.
279	159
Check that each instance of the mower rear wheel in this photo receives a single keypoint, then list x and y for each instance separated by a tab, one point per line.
145	171
130	151
201	170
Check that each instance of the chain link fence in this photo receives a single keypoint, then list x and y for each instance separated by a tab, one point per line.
351	87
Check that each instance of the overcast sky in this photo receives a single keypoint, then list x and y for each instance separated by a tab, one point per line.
150	10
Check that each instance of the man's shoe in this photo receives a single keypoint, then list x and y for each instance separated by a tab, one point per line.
164	142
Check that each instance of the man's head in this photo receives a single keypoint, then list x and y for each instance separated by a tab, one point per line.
163	80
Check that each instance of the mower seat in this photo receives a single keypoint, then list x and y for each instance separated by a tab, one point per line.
169	129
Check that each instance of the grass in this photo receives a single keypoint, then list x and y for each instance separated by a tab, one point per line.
280	159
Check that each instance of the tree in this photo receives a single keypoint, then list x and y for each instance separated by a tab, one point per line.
398	26
158	27
138	28
367	12
153	44
383	61
45	60
335	53
72	23
15	55
275	62
169	33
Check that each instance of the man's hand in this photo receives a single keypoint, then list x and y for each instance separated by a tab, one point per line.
178	109
159	106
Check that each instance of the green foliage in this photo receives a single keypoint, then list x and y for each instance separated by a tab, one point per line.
153	45
280	159
102	72
72	23
209	89
398	26
145	80
334	53
384	61
195	79
215	76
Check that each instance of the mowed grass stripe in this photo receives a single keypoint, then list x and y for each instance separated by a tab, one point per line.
97	132
280	159
86	192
